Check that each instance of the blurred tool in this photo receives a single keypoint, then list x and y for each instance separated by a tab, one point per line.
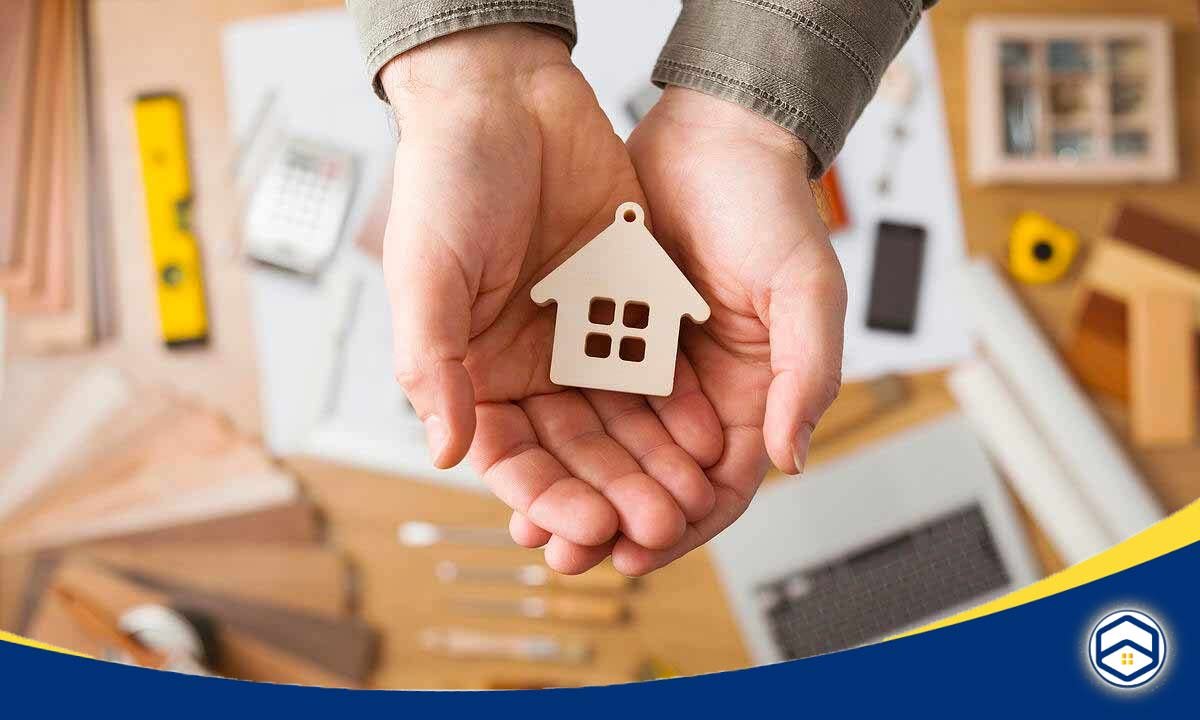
299	189
896	277
1153	266
603	577
905	531
1035	474
858	403
899	86
833	201
655	668
564	608
1040	250
169	633
1062	414
462	643
425	534
166	181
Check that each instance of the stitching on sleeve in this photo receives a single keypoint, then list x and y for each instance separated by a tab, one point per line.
808	120
479	7
816	29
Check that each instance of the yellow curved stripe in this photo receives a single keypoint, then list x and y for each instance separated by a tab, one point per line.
1177	531
17	639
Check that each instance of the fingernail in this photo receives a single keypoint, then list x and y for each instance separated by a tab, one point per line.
800	446
435	435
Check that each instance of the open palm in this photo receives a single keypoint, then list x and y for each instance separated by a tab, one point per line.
500	176
730	200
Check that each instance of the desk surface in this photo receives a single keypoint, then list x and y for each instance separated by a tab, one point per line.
680	612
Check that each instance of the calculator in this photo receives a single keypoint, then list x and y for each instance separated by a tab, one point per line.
296	212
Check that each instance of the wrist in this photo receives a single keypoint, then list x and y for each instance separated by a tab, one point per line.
732	122
486	59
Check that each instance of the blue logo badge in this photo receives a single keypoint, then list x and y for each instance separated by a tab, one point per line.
1127	648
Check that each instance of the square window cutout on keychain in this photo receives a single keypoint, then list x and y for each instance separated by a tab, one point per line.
620	299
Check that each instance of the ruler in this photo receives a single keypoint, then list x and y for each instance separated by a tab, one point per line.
166	181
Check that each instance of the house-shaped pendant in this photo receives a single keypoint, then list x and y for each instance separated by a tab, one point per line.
620	299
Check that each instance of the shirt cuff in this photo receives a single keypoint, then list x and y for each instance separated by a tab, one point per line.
810	66
387	28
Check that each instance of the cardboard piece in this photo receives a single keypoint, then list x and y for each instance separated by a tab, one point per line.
620	299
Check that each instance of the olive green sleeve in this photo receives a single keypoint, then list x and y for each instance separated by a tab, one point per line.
810	66
387	28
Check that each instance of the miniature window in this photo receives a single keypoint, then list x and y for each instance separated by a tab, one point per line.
597	345
633	349
602	311
636	315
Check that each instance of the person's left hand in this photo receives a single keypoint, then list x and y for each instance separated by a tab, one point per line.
730	200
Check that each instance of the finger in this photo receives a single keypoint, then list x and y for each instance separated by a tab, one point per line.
735	479
525	533
689	416
568	558
807	321
630	421
431	304
568	427
532	482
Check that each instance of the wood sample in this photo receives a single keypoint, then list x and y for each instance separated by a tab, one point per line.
1162	368
1156	234
1122	270
1098	348
17	36
305	578
294	523
22	279
242	653
62	317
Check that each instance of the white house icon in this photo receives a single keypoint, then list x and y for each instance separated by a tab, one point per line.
620	298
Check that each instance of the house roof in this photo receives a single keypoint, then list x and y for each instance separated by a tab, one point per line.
623	262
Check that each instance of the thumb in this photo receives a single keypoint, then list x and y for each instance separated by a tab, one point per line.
431	314
807	323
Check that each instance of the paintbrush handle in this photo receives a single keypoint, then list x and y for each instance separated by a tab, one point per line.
584	609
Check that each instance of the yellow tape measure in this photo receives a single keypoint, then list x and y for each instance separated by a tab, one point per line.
162	146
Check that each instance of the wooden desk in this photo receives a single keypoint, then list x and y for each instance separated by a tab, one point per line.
988	213
680	612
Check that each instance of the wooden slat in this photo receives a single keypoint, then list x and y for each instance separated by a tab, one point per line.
1162	368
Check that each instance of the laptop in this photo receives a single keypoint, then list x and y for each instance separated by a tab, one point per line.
911	530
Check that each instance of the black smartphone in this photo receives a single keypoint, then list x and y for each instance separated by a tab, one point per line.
896	277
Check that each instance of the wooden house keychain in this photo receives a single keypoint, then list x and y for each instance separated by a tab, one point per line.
620	299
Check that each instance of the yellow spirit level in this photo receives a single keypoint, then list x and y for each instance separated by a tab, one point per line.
166	180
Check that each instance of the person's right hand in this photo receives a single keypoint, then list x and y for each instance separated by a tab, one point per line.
506	166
